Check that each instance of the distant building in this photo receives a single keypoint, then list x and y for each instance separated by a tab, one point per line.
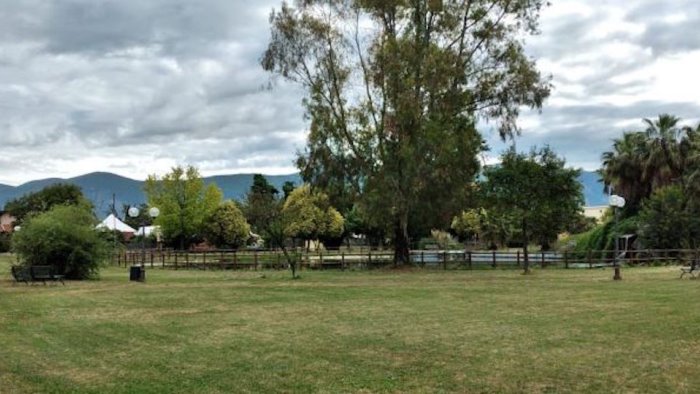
7	222
595	212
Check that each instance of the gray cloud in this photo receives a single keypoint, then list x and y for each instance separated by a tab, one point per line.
135	86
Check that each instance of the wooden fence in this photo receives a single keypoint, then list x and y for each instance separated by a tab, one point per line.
367	259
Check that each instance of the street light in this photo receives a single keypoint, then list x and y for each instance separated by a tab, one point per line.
134	212
615	202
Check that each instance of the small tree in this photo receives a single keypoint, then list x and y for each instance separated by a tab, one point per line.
467	225
536	189
227	227
261	205
184	202
309	215
65	238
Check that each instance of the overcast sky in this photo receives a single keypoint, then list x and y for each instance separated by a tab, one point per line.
137	86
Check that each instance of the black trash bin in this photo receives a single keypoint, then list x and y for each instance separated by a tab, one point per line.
137	273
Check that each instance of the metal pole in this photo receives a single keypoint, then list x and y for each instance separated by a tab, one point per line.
617	275
143	244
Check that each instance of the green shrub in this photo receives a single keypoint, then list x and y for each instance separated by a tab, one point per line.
667	221
602	238
65	238
226	227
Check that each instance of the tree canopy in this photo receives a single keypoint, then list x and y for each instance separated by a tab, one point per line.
393	93
226	227
45	199
261	204
309	215
184	202
538	190
664	153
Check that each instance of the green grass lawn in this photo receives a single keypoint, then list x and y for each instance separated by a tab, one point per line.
381	331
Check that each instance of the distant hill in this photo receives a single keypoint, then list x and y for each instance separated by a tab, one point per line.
593	189
99	187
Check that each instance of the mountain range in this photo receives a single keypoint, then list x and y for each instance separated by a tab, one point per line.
100	186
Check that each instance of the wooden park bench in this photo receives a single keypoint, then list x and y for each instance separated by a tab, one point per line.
46	272
21	274
36	273
693	270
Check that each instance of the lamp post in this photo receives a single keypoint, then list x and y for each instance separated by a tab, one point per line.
615	202
134	212
16	229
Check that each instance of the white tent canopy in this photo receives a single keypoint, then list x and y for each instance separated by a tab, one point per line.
148	231
113	223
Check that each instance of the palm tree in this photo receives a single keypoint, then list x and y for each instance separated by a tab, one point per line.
690	148
625	168
662	155
664	163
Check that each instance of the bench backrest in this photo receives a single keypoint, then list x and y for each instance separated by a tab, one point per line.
42	271
21	274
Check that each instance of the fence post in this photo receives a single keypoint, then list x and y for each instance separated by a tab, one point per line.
422	259
342	261
151	259
187	260
370	258
222	261
469	259
204	259
176	260
255	259
566	260
235	258
588	258
493	258
542	261
517	258
444	260
320	258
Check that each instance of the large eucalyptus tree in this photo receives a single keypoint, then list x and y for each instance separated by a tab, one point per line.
394	89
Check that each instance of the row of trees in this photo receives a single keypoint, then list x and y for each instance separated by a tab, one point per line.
193	212
59	225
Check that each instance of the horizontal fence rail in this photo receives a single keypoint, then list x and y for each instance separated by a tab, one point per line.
367	259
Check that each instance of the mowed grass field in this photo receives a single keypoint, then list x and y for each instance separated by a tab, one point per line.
381	331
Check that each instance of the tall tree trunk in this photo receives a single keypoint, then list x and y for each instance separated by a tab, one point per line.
401	246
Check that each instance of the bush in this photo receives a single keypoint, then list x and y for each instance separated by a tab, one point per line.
667	221
65	238
226	227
